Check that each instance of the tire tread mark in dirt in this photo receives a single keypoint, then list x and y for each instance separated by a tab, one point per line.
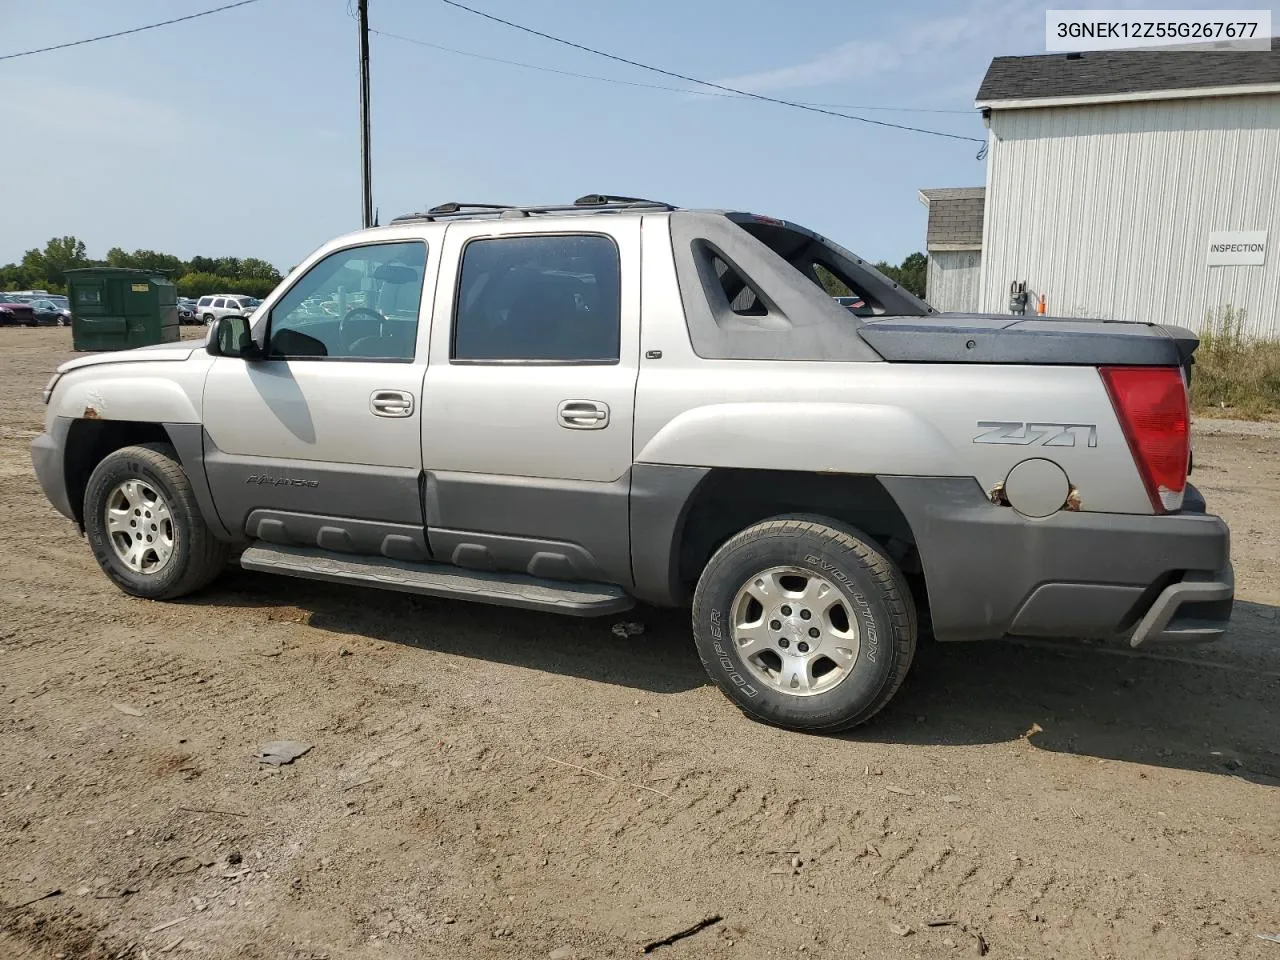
895	861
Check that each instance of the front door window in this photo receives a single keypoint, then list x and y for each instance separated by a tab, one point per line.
358	303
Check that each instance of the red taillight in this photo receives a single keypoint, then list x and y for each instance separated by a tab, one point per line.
1151	403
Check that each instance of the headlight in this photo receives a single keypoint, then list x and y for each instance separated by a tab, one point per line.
47	393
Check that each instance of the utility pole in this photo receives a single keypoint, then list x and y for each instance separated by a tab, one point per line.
366	165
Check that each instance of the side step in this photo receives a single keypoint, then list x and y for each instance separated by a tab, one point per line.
440	580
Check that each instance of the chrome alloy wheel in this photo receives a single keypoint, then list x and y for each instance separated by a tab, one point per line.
140	526
795	631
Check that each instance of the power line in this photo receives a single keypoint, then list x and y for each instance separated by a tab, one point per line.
636	83
124	33
707	83
858	106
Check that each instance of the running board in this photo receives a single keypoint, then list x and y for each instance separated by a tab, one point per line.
440	580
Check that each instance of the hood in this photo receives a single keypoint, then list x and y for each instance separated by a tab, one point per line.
1003	338
157	351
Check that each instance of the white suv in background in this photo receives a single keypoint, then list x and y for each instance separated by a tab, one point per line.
214	308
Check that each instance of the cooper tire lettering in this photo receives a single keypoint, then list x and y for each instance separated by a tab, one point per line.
726	661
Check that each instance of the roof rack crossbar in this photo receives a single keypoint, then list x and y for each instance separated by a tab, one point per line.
601	199
591	203
455	207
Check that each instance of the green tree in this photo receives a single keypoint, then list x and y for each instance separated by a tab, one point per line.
910	274
13	276
252	267
48	267
202	284
165	263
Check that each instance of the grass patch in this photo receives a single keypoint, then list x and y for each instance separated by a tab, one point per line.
1234	376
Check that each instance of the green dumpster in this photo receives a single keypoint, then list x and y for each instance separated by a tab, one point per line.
116	308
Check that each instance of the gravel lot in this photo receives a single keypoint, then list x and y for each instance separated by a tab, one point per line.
495	783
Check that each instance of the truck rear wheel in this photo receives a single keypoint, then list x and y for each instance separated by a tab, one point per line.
804	623
145	527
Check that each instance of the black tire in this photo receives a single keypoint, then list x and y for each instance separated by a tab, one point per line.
867	580
197	558
208	318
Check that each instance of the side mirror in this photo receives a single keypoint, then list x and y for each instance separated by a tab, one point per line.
231	337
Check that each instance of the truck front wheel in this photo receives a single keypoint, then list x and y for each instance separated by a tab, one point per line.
145	527
804	623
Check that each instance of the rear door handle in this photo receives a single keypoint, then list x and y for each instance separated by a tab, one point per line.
391	403
583	414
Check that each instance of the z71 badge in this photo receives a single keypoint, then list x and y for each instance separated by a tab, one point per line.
1037	434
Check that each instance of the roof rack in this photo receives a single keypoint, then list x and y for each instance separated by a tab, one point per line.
454	207
590	203
604	199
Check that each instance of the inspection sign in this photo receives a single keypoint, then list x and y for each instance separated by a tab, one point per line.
1237	248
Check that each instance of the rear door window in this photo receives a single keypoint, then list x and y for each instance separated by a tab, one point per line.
548	299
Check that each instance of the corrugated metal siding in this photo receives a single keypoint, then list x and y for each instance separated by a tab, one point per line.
951	282
1107	209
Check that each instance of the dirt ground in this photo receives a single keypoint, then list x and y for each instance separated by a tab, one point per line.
494	783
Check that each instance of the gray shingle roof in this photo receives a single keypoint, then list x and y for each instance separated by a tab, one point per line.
1126	71
953	193
955	217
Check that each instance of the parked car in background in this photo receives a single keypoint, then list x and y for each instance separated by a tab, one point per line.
15	312
213	308
187	311
49	314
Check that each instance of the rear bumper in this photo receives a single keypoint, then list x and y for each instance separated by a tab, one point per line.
990	572
1195	609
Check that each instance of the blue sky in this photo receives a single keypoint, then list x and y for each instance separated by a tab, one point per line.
237	134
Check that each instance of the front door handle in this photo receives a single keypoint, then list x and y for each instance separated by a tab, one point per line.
583	414
391	403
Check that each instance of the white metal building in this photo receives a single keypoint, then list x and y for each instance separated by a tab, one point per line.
1136	185
953	244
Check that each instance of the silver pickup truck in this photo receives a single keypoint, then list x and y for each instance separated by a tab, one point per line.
574	408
